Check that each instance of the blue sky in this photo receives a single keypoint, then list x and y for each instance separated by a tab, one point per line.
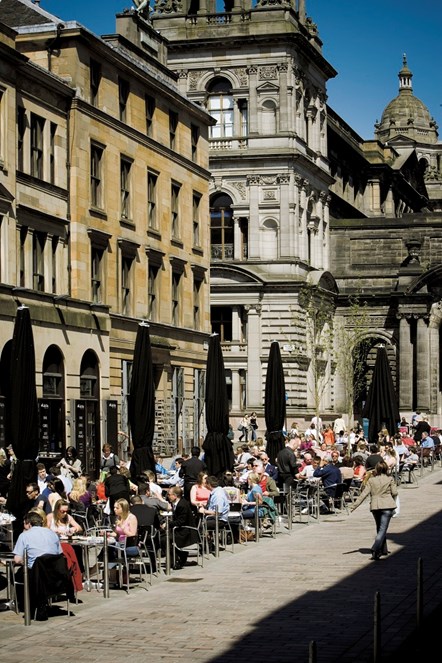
363	40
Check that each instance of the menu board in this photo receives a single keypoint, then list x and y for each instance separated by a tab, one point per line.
44	427
112	423
2	423
80	430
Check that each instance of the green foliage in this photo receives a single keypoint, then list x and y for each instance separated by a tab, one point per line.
319	310
351	349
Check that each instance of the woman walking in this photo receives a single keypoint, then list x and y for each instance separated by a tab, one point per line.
382	489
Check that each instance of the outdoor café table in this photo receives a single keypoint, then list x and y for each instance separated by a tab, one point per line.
166	515
88	543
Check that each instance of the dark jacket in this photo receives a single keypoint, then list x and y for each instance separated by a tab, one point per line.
183	516
190	469
145	515
116	484
286	463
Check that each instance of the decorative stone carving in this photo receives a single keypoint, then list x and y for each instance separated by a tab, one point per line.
194	77
268	179
168	6
269	194
242	77
253	179
267	73
241	188
284	179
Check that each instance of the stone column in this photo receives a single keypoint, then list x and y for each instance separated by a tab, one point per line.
236	324
236	403
237	239
284	217
433	330
254	378
253	110
283	98
27	258
422	366
297	216
254	235
48	264
303	239
405	364
311	138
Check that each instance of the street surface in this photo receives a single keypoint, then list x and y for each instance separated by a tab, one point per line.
265	603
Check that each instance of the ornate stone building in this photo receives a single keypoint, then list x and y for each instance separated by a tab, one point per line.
299	200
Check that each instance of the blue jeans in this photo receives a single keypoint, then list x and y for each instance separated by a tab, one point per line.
382	519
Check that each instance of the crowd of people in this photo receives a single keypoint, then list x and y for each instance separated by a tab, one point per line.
62	502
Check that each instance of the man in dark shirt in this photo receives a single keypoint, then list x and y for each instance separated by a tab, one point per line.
286	463
330	475
190	469
374	458
116	486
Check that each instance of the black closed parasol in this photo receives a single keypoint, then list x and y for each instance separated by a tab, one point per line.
274	403
22	413
141	405
218	451
381	407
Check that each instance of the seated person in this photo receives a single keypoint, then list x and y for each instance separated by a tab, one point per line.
145	515
155	489
174	479
254	498
217	501
149	499
410	463
330	475
159	467
36	540
199	493
181	520
268	485
61	522
233	492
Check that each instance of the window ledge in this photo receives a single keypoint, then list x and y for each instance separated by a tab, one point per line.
97	211
155	234
127	223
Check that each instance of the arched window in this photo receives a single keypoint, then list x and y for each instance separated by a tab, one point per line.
53	373
89	374
221	227
220	107
51	406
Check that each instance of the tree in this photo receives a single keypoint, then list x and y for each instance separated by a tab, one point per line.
319	307
351	347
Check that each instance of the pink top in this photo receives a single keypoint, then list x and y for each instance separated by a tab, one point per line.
201	494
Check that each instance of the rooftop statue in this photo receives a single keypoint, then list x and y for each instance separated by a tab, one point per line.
141	5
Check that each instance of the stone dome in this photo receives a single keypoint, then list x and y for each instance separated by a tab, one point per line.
406	115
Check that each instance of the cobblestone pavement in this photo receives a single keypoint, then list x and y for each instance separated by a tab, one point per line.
266	602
